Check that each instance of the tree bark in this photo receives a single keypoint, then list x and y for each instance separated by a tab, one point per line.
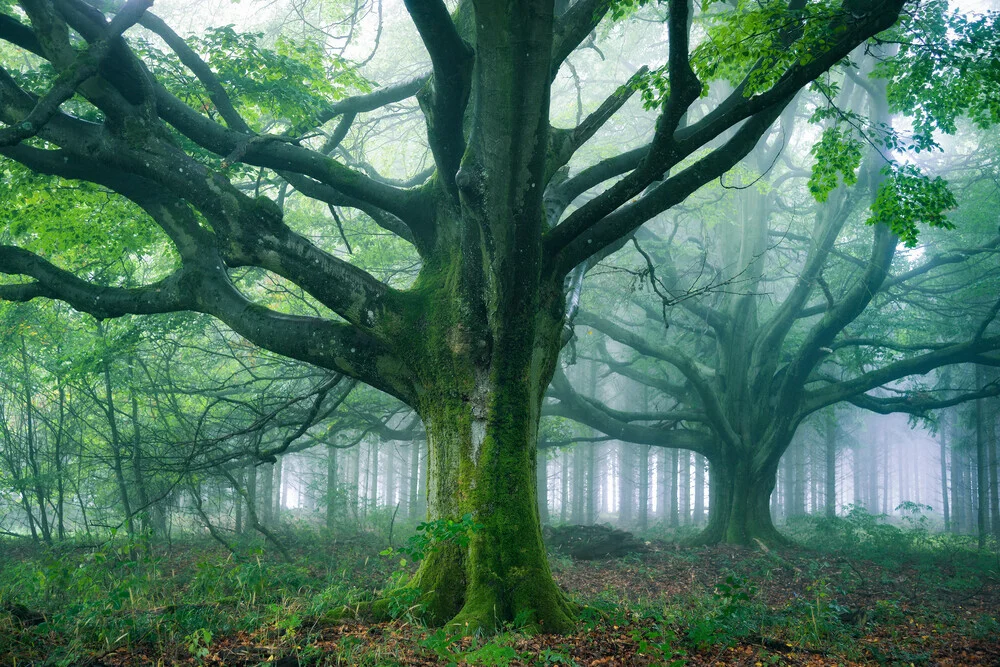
830	450
482	462
943	440
982	472
740	498
332	490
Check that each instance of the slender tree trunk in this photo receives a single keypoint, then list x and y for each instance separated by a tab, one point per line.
957	489
991	431
265	499
278	499
116	443
238	510
685	498
661	484
982	472
591	498
626	485
563	486
422	481
579	488
250	475
332	490
373	467
355	489
943	440
138	476
830	450
886	481
643	519
412	507
30	438
856	475
60	481
699	490
674	488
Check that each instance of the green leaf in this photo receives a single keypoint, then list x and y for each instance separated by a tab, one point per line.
908	197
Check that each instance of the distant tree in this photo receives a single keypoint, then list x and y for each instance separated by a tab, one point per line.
806	311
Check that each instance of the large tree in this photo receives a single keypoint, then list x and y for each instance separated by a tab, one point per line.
473	344
812	307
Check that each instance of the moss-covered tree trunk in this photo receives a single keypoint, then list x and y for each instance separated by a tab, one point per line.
482	376
739	509
482	462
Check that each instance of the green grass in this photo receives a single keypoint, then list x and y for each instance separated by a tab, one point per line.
868	593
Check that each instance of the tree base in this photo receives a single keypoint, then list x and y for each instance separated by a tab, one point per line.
712	535
553	615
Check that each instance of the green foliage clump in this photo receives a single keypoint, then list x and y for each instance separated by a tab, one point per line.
756	42
291	82
837	152
906	197
431	535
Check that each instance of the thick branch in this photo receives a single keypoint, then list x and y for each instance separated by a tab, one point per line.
166	296
448	93
958	353
581	235
571	407
688	368
208	79
920	405
669	148
573	27
565	143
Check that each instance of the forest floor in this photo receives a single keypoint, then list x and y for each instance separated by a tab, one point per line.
859	597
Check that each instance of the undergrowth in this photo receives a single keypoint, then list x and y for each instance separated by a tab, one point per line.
867	591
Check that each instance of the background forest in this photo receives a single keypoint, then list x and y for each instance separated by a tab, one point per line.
264	398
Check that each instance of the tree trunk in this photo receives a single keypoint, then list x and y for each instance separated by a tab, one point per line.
414	487
661	483
685	484
831	465
740	509
238	519
373	468
482	462
942	437
643	519
115	443
626	485
138	475
982	482
332	497
699	490
957	489
58	453
991	432
591	498
578	485
36	473
278	488
265	499
563	486
674	513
